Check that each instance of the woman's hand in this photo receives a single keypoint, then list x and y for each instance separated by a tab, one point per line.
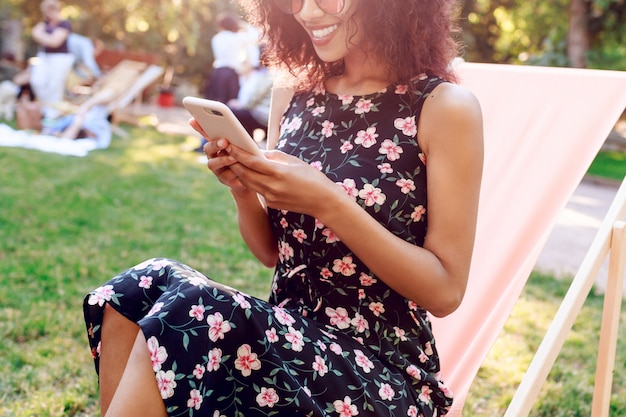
284	181
219	161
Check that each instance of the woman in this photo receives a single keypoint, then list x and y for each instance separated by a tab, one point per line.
49	76
364	243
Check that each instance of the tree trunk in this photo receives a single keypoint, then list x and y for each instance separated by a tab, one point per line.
577	34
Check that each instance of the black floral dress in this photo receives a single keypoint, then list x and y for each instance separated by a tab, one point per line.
333	339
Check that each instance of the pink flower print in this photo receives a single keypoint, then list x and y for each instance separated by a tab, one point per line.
346	147
428	349
267	397
293	125
377	308
412	411
366	137
330	236
271	335
400	333
285	251
145	281
423	357
197	281
317	165
166	383
363	361
391	149
283	316
412	305
247	361
158	354
402	88
363	106
360	323
406	186
445	389
361	294
345	99
296	339
326	274
417	213
345	266
155	264
214	359
327	128
367	280
345	408
198	371
406	125
422	76
242	300
321	345
386	392
310	102
320	365
299	235
424	396
319	224
372	195
349	186
217	326
422	157
413	372
338	317
197	311
318	110
155	309
100	295
195	399
336	348
284	223
385	168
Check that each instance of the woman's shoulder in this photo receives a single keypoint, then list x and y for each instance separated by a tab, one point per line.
450	112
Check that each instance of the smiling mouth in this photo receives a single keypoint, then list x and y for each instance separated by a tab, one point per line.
322	33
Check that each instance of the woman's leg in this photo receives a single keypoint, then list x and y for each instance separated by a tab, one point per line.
125	364
137	393
118	338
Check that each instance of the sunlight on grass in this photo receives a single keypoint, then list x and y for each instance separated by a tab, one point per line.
69	224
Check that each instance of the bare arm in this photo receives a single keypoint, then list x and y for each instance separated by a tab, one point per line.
434	276
251	212
49	40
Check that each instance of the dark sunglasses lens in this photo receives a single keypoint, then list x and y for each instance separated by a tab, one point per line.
331	6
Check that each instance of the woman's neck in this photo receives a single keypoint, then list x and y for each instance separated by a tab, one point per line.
362	75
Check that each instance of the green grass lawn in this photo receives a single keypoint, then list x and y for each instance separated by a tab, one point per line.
68	224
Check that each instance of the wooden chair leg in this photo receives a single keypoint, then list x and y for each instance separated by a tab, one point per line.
610	323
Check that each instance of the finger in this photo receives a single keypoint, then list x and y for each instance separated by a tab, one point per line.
214	148
196	126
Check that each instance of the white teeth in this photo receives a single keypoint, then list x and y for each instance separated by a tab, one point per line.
320	33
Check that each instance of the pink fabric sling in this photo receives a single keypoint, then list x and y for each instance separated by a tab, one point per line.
543	128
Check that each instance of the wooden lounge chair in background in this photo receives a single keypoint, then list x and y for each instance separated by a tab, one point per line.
543	128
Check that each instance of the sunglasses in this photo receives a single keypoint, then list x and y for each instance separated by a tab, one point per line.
294	6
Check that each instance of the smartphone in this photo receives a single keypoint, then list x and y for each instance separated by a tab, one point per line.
218	121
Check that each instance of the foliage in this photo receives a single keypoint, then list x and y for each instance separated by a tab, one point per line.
177	30
535	32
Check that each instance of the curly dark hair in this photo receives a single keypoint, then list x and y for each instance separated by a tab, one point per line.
412	36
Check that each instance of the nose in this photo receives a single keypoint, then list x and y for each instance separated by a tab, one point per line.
310	9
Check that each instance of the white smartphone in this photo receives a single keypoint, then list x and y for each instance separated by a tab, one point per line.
218	121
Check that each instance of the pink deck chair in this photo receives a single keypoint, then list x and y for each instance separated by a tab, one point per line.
543	128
